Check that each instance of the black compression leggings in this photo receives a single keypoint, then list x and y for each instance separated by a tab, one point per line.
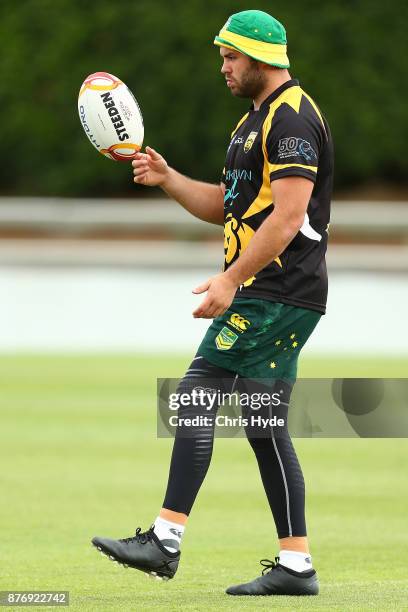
280	471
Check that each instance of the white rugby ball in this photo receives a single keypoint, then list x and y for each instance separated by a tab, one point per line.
110	116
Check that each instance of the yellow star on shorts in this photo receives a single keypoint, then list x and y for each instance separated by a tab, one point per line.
294	344
273	365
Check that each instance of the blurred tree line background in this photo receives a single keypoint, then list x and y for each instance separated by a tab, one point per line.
350	56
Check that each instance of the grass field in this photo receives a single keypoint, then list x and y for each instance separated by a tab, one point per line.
80	457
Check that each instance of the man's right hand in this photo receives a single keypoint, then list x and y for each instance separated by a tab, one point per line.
150	168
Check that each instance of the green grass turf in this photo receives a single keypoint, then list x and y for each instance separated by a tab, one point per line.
79	457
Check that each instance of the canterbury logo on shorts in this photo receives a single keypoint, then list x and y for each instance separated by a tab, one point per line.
238	322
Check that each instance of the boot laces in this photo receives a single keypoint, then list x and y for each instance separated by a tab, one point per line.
268	565
140	537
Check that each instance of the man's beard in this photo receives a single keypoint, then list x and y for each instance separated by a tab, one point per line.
252	82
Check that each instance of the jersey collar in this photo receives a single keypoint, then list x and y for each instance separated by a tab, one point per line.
275	94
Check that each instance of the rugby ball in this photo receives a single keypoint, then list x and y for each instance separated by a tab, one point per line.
110	116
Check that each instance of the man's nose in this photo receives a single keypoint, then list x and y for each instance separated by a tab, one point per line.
224	68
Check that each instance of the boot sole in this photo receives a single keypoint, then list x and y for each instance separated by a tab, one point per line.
151	574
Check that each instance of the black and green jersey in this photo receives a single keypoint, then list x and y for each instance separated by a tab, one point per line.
287	136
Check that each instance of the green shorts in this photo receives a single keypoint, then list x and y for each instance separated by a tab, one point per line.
258	338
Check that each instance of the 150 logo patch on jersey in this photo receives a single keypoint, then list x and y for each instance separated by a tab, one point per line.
296	147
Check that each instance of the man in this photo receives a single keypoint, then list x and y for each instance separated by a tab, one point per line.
274	203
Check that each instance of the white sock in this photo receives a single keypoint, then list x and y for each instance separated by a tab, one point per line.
297	561
169	533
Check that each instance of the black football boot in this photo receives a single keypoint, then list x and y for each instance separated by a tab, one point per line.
143	551
279	580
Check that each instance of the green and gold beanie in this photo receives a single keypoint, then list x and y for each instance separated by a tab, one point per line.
256	34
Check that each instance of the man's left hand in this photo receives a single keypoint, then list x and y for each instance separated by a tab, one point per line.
220	293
